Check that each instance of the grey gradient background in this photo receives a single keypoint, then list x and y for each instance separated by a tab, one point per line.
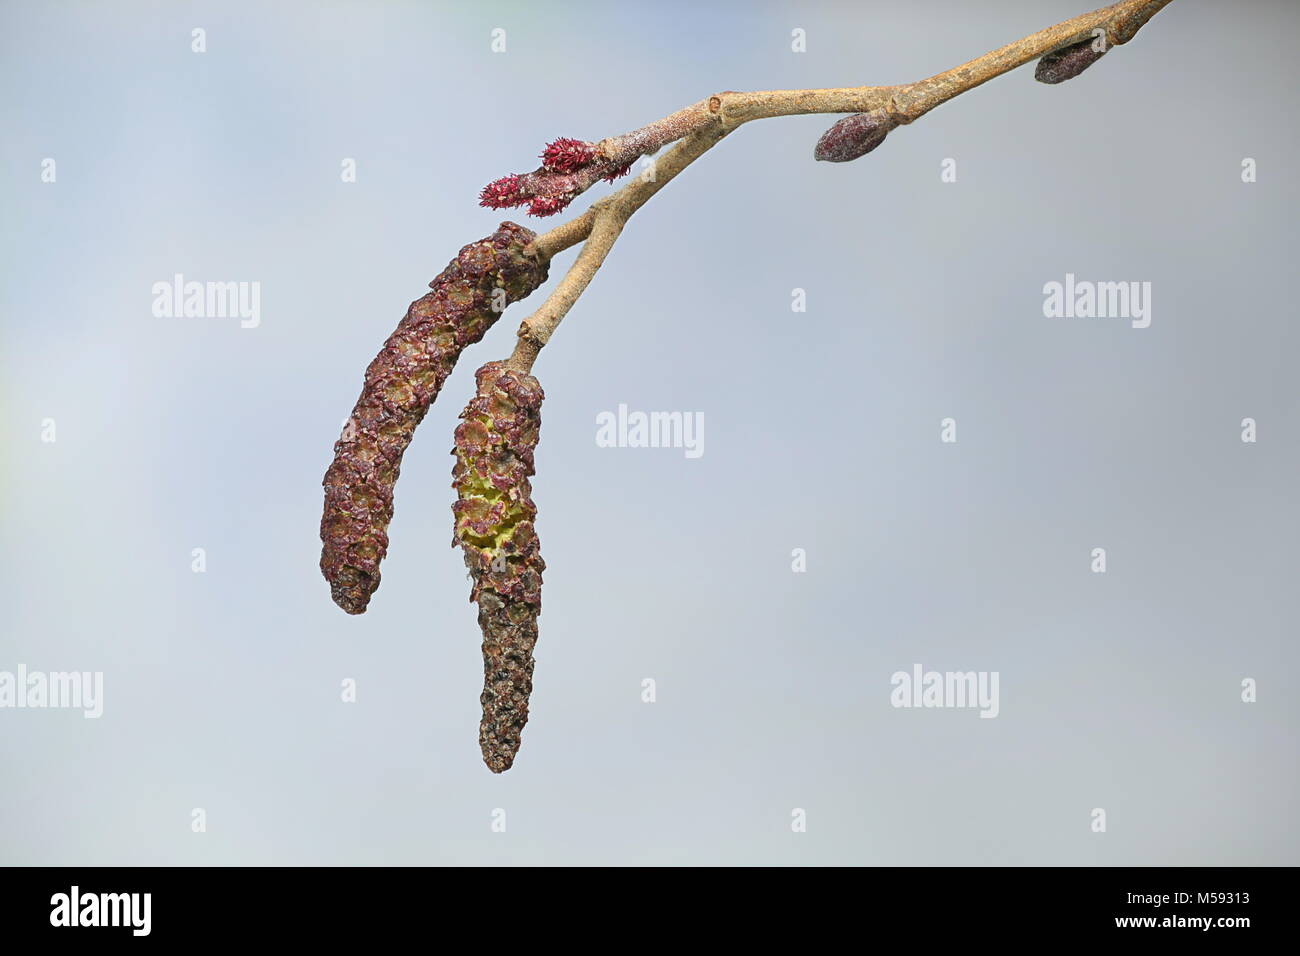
1118	691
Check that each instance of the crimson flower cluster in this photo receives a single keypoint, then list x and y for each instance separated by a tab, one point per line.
569	167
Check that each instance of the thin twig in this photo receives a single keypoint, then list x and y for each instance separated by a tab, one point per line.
701	125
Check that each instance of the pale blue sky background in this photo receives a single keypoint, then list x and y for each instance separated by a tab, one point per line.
822	432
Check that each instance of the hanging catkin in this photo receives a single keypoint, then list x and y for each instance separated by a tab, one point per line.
494	515
404	378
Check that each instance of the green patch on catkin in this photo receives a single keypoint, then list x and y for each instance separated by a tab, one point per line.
494	526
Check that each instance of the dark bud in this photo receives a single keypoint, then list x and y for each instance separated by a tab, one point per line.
852	137
1069	61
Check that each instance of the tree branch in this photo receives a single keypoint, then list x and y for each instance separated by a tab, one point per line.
575	166
600	226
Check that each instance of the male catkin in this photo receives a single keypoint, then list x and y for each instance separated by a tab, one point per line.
400	384
494	515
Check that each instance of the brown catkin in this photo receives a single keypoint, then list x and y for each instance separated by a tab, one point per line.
400	384
494	516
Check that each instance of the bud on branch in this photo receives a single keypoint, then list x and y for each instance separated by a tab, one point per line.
853	137
569	168
1068	62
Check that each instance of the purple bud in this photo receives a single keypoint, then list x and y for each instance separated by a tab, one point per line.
852	137
1069	61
